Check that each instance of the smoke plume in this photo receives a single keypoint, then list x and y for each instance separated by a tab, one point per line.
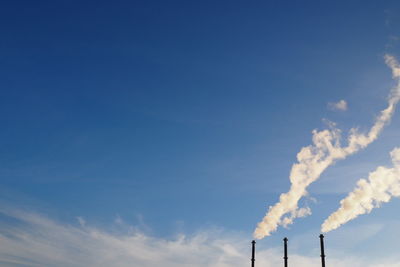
382	185
314	159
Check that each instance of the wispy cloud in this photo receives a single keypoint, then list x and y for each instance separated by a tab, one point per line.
30	239
338	106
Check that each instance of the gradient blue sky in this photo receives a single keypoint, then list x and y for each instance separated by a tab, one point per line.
180	116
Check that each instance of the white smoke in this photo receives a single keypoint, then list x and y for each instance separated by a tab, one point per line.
314	159
382	185
299	213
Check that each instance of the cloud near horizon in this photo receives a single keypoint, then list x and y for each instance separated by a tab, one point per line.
31	239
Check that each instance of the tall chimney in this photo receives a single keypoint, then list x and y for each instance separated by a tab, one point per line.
321	238
285	257
253	252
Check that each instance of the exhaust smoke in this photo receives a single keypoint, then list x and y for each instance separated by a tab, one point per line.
325	150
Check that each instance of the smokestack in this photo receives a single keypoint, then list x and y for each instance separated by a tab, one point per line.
285	257
321	238
253	252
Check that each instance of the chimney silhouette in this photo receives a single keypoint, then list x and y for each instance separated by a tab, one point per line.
253	252
321	238
285	257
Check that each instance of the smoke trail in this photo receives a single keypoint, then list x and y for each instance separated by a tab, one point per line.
382	185
314	159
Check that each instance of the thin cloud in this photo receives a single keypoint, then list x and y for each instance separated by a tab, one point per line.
338	106
30	239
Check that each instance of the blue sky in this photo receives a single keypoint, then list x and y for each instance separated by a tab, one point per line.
177	117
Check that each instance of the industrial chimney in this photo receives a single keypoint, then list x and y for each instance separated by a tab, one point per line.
321	238
253	252
285	257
